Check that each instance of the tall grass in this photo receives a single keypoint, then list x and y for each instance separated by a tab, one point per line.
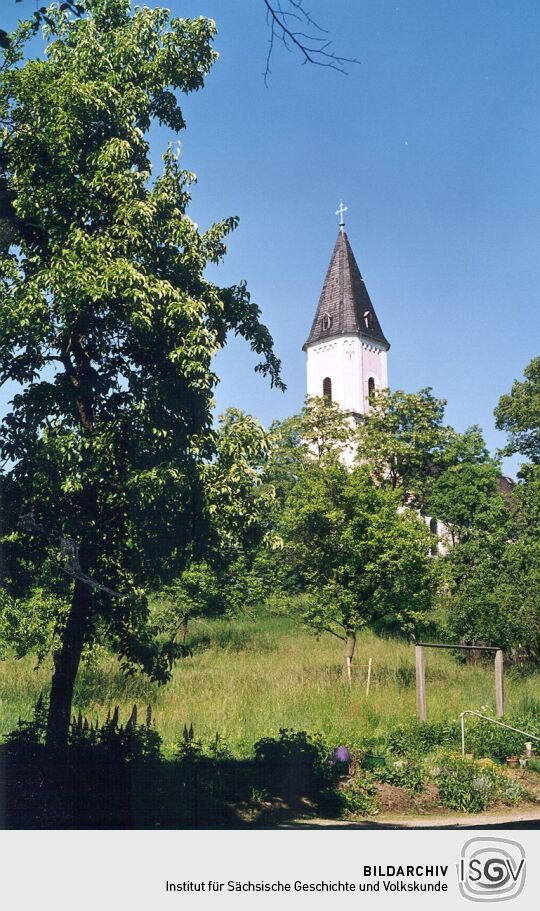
248	678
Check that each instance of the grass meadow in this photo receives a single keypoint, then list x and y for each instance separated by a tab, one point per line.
248	678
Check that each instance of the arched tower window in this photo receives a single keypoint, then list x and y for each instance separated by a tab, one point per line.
371	389
326	322
327	388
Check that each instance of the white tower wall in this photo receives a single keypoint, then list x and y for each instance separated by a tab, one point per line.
349	362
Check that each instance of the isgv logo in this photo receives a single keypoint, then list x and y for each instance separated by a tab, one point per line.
491	869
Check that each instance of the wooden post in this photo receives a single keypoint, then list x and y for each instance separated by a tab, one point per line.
368	681
420	684
499	682
350	644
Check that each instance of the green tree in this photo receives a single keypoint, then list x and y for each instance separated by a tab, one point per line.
109	326
239	505
466	498
494	584
493	572
404	441
408	447
361	560
195	593
495	575
323	429
238	500
518	413
319	433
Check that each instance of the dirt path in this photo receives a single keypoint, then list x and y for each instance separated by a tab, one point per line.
518	818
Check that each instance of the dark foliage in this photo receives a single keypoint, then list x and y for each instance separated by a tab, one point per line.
113	776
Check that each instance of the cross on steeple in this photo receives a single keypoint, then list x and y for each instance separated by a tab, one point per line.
341	212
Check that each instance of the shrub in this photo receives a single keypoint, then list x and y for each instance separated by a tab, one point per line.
471	785
419	737
358	797
482	739
404	773
26	743
296	764
464	785
292	748
485	739
190	750
110	740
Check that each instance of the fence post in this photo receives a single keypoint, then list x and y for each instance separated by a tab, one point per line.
420	684
499	681
368	681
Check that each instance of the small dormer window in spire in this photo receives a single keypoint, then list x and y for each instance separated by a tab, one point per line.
367	319
326	322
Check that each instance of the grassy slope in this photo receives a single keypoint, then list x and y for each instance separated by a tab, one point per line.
249	678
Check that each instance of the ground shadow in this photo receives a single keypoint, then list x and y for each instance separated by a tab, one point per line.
86	790
115	777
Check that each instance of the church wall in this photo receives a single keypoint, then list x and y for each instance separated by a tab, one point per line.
341	360
349	362
351	368
325	360
375	364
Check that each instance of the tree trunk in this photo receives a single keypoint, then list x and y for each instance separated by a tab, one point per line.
82	376
1	535
66	664
350	645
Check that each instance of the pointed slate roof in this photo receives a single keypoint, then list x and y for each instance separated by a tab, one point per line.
345	306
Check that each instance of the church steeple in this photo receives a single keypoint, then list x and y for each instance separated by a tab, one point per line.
345	306
346	347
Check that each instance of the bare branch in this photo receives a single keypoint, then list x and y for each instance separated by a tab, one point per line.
312	47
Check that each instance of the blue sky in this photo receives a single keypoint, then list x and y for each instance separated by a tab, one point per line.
433	142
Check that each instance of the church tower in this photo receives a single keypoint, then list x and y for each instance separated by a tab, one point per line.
346	348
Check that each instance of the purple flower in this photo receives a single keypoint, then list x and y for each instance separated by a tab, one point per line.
341	754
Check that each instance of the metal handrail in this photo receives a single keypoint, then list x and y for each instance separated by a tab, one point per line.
493	721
